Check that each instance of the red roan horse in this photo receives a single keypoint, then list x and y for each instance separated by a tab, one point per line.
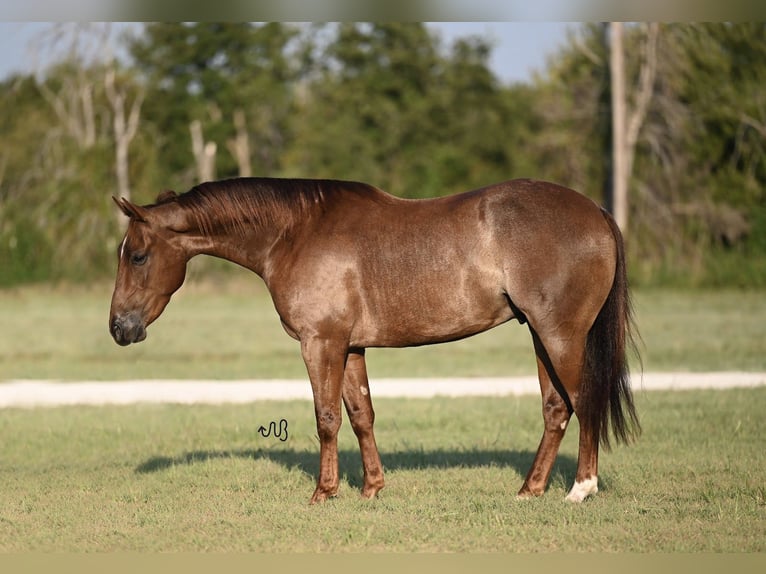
349	267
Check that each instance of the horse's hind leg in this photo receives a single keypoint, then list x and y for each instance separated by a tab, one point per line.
556	415
561	357
356	397
566	367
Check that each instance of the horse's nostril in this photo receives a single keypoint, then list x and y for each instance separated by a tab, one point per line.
126	330
117	333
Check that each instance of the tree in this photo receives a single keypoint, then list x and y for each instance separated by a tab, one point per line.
368	109
571	100
480	128
24	251
229	83
125	126
703	163
693	141
62	148
389	105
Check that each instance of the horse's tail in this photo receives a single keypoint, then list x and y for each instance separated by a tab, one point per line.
606	378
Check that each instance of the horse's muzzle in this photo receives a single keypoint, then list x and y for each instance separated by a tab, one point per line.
126	330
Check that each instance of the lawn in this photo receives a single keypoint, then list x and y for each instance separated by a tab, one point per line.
170	478
229	330
200	478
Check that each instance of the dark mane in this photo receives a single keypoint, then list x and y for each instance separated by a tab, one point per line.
236	205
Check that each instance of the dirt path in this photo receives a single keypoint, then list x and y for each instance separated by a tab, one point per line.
53	393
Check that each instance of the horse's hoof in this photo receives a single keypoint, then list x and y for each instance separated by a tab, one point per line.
582	490
321	496
527	493
371	492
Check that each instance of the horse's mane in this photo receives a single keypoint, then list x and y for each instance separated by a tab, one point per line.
242	203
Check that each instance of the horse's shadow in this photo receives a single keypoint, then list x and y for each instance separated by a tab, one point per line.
349	462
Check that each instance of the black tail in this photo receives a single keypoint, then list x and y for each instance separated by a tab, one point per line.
606	380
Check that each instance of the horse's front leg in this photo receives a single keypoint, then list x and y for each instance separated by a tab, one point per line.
356	396
325	361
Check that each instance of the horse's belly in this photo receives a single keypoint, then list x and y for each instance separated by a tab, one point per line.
409	321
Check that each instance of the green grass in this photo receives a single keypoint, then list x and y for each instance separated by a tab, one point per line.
200	478
231	331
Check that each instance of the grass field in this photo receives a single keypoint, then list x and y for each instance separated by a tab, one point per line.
231	331
200	478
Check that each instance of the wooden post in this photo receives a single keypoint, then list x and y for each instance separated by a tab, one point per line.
619	156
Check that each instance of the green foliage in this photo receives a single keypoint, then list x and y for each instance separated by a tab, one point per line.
55	216
700	170
389	104
206	71
572	100
389	108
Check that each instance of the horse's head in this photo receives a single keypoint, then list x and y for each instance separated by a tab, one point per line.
151	267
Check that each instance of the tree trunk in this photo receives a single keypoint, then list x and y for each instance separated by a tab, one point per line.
204	153
239	146
643	95
124	131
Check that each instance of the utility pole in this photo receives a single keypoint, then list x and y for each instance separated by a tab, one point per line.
620	173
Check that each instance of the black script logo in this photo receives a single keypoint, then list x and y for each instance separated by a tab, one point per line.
277	430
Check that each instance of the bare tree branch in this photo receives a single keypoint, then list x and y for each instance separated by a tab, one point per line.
644	93
757	125
73	103
124	128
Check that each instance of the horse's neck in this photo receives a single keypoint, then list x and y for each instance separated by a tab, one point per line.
251	242
237	249
250	250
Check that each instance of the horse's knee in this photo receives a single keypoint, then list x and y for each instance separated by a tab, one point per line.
328	423
361	419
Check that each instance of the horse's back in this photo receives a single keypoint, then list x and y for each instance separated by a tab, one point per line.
523	205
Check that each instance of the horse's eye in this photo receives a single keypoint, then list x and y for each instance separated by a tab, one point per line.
138	258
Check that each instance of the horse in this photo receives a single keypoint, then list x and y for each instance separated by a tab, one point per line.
350	267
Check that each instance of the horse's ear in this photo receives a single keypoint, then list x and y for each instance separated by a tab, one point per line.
133	211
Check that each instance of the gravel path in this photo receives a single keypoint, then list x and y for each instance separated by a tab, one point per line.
53	393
